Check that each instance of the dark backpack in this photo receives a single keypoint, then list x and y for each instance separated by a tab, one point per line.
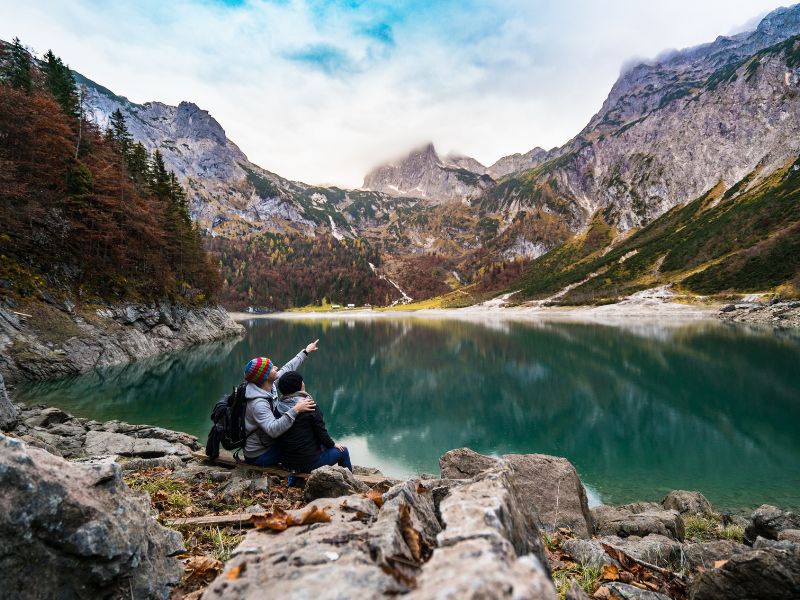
228	429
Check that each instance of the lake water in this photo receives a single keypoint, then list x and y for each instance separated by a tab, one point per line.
638	410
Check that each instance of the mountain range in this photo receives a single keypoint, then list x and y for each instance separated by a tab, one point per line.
669	131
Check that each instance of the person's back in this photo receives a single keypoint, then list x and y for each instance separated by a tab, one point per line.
300	446
306	445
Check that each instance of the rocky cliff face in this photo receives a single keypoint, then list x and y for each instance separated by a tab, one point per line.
671	130
51	343
228	194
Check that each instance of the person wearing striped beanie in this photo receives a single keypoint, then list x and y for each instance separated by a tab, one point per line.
261	393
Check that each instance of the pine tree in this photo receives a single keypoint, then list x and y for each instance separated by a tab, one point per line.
61	84
17	70
137	162
118	131
159	177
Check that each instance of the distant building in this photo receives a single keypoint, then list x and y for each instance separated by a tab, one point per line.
351	305
258	309
335	306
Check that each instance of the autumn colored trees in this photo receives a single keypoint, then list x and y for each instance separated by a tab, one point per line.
282	271
83	212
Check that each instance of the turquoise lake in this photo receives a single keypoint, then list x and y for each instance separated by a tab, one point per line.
639	410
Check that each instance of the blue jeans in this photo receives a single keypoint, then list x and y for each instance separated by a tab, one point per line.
333	456
268	459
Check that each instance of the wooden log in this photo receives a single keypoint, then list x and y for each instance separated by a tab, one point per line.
227	460
240	519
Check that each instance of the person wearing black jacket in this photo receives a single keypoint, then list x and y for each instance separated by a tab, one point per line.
306	445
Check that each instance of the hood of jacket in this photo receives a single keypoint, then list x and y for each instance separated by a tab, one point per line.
252	391
286	403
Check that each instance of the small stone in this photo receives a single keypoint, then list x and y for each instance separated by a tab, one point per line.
623	522
767	521
687	503
260	484
463	463
630	592
791	535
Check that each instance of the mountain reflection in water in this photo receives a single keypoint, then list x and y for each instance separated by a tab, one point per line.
638	410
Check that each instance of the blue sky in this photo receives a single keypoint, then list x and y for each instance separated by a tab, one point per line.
322	91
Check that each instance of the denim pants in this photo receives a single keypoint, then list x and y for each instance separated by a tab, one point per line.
333	456
268	459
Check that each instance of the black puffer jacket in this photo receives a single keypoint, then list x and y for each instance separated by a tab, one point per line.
300	446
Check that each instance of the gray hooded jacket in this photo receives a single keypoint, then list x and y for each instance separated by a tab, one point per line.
258	414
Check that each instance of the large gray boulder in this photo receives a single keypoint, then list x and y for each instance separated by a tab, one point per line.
705	554
332	482
767	521
655	549
423	539
77	531
549	485
490	545
768	574
687	503
8	412
623	521
342	558
99	443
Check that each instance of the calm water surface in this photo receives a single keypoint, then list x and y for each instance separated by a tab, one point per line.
639	411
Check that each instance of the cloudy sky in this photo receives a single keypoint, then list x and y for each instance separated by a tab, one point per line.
322	91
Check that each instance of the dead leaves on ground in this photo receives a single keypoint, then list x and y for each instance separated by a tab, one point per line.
280	520
641	575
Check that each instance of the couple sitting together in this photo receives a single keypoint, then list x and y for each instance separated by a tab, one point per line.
288	430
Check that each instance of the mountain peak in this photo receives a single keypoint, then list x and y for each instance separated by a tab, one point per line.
423	174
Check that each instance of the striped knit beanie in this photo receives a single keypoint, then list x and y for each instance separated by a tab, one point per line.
257	370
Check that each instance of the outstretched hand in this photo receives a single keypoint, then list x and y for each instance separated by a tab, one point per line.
312	347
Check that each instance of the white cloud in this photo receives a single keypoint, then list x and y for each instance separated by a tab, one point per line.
321	92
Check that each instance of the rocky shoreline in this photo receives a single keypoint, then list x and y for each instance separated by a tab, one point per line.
517	526
42	340
774	314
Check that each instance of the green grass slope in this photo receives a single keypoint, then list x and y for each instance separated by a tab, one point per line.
745	239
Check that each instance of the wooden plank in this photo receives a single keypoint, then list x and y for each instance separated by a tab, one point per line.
240	519
227	460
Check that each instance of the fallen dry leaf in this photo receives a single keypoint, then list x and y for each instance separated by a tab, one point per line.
279	519
201	565
719	563
314	514
236	571
609	573
411	536
376	496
